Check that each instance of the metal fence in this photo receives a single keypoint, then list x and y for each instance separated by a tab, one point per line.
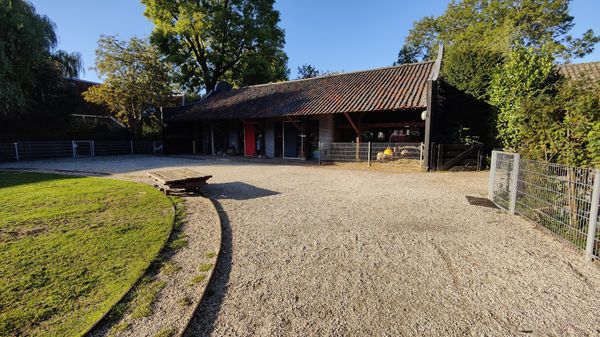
562	199
368	152
28	150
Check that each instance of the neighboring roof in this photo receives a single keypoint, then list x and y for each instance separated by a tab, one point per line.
393	88
591	70
81	107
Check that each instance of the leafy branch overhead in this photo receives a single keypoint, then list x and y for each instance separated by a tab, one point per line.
498	26
135	81
235	40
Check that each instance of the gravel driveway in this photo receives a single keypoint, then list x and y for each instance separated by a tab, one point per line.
327	251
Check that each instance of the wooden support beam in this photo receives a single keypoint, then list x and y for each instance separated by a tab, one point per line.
354	126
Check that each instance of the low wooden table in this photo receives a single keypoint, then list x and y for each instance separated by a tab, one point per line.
178	180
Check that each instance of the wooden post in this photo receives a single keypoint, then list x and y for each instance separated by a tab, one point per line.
369	154
212	141
440	156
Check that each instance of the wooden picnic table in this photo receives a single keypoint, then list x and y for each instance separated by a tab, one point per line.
173	180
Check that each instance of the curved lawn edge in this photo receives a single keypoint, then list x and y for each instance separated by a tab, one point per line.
142	272
219	229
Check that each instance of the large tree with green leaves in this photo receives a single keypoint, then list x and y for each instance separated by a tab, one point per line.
135	81
527	75
212	40
32	71
479	34
497	26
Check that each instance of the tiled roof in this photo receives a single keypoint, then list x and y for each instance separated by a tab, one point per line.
392	88
591	70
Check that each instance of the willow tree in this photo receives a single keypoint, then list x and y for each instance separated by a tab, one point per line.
32	70
212	40
135	81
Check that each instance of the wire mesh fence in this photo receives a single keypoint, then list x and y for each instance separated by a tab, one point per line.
502	178
29	150
368	151
562	199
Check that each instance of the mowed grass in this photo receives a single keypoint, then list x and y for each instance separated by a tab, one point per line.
70	247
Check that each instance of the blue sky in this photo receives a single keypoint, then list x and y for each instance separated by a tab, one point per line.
336	35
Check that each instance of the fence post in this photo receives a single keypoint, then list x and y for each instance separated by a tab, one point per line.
93	149
16	151
514	184
492	176
369	155
591	235
131	145
74	148
440	157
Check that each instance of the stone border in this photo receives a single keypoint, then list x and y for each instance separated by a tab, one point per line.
219	228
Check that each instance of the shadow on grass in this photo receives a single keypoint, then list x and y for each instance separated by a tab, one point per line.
203	322
236	191
16	178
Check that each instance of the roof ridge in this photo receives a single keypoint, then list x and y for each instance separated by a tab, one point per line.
577	64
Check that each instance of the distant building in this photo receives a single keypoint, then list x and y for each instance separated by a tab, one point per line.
89	119
590	70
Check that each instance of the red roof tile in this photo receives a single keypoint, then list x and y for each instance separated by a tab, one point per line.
393	88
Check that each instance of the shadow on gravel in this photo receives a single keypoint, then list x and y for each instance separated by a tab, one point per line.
204	319
236	191
483	202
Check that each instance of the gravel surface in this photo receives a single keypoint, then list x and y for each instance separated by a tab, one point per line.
330	251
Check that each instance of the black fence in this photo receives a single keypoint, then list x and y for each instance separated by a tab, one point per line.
30	150
456	157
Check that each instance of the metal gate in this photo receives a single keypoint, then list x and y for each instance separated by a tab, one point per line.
83	148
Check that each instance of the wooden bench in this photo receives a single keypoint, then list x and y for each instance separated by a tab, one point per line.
178	180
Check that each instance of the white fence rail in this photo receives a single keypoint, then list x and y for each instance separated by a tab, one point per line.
28	150
368	151
562	199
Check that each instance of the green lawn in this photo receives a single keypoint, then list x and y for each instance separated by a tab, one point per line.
70	247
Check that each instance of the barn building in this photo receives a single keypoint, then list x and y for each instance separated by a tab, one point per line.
289	119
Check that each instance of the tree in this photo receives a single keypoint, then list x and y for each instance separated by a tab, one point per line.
213	40
578	133
527	74
479	34
308	71
31	71
135	81
498	26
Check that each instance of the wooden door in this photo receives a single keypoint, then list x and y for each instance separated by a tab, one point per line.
249	140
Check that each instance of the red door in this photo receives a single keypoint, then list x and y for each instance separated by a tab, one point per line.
249	140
